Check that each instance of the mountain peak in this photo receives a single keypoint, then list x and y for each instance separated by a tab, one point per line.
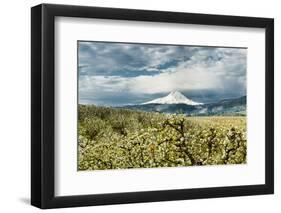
174	97
176	94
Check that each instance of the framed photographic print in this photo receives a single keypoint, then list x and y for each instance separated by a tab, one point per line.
138	106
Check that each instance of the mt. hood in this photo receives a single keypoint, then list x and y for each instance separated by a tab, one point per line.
174	97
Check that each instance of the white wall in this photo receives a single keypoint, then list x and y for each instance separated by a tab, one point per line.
15	105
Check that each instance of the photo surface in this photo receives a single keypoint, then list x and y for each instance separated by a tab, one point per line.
160	105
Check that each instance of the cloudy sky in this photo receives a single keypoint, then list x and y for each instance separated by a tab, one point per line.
113	74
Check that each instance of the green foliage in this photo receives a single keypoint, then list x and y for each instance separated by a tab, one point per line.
121	138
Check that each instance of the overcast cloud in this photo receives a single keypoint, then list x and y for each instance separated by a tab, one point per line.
122	73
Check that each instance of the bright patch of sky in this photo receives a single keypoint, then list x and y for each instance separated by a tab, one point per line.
113	74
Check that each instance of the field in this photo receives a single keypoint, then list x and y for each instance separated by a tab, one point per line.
111	138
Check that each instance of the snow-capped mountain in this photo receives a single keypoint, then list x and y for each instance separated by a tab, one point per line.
174	97
176	103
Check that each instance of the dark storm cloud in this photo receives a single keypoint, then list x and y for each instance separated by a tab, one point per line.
129	60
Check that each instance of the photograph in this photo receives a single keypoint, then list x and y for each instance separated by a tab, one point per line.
160	105
139	105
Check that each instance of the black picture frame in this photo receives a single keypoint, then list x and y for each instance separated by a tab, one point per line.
43	102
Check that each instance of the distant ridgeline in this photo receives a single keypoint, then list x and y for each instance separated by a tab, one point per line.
177	103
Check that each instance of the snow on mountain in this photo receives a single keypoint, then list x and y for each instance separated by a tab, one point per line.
174	97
